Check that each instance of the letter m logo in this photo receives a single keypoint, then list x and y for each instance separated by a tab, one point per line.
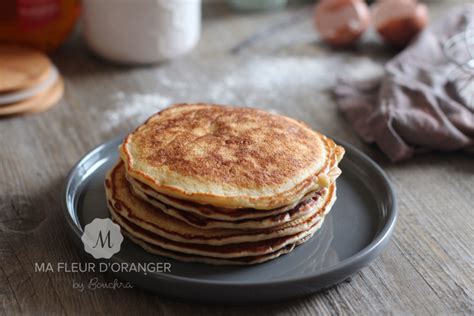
103	241
102	238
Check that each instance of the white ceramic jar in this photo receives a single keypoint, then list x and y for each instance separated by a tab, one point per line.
141	31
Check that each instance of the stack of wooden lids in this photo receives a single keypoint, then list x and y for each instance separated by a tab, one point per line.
29	82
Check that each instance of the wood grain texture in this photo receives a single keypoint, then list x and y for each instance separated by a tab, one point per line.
273	61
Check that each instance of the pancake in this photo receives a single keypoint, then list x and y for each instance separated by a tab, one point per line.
208	211
238	250
229	157
150	218
153	249
305	208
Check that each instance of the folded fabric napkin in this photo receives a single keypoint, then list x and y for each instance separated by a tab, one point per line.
425	100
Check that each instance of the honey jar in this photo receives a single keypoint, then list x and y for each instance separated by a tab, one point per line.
43	24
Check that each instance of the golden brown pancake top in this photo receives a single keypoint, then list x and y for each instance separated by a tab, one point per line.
244	147
224	151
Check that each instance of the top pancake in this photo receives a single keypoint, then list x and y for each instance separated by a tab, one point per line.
228	157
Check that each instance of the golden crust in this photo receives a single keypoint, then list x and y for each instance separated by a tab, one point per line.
228	157
304	208
121	201
209	211
232	251
154	249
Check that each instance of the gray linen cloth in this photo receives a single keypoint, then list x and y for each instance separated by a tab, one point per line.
425	99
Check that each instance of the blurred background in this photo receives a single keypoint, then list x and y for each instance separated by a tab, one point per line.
144	55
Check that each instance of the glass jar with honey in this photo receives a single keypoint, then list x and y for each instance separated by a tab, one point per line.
43	24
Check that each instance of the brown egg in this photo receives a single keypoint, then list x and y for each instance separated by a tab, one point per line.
341	22
398	21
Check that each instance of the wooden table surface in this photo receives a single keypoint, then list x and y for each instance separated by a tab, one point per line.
273	61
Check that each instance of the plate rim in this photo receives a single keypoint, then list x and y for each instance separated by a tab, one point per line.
377	244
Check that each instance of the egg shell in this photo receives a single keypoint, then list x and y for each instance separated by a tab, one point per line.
399	21
341	22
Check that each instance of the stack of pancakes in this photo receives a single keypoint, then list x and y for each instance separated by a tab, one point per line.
222	185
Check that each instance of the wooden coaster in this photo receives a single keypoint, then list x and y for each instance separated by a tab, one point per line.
38	103
21	95
22	67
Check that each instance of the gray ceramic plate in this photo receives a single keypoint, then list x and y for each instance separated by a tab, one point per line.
356	230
